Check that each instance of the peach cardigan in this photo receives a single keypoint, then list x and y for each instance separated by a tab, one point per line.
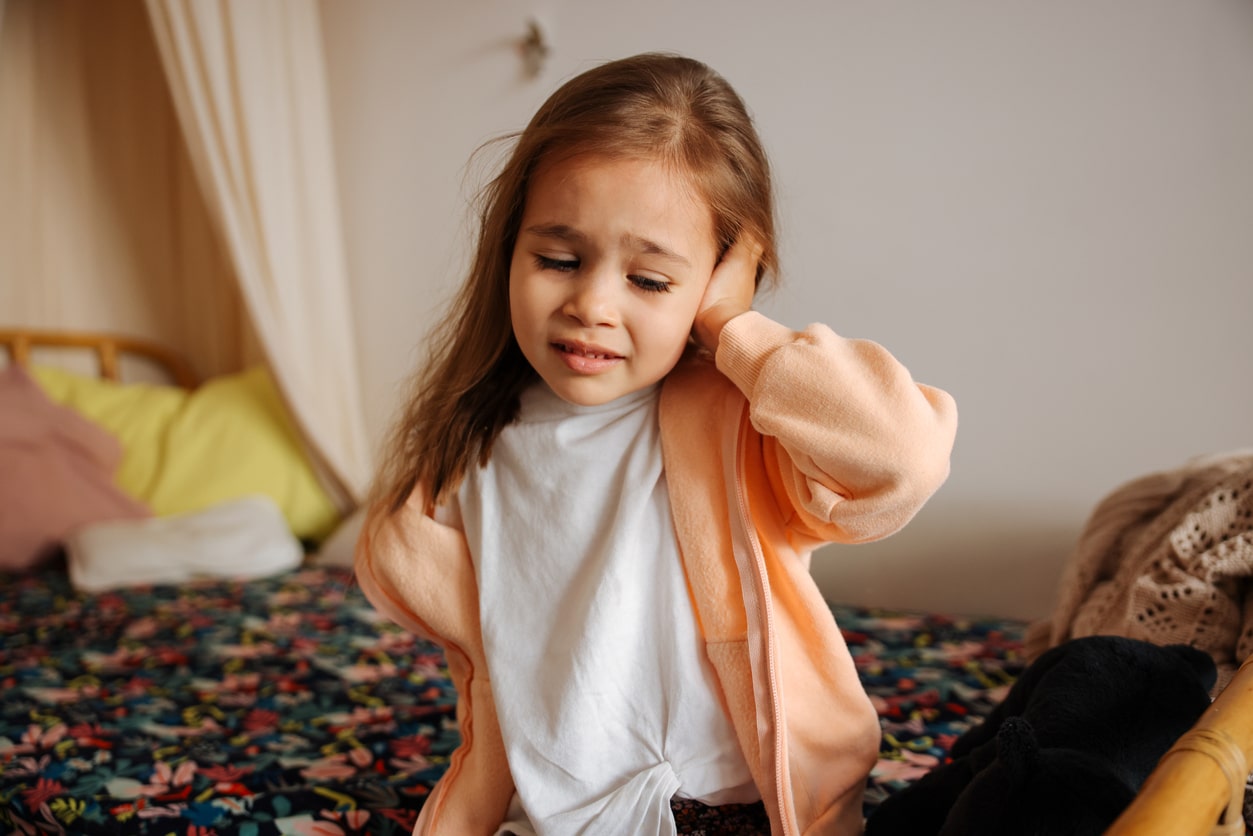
804	438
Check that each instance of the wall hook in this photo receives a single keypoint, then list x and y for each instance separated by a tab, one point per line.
534	48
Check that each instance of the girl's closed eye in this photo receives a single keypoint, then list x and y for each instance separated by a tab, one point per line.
569	265
650	285
561	265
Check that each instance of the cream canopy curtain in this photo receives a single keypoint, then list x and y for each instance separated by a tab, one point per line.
248	83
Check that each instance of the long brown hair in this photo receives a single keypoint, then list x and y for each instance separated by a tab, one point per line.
652	106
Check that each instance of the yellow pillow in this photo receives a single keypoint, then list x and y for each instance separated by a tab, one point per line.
186	451
137	414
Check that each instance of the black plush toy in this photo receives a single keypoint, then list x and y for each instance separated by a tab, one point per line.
1066	751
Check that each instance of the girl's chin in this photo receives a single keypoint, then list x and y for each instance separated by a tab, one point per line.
588	390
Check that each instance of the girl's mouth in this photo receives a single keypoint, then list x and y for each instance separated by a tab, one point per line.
589	351
586	359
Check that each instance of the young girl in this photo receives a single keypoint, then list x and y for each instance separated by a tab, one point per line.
602	498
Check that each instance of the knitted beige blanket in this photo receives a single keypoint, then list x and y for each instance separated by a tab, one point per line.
1166	558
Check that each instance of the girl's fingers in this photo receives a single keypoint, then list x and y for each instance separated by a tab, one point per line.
730	291
735	277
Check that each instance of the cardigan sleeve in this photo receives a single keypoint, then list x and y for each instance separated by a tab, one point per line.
853	445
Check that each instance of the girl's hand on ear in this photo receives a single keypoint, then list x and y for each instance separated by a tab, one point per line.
730	291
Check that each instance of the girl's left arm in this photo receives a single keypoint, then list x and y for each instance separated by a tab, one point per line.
851	441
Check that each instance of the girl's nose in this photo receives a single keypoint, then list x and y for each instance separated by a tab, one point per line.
592	300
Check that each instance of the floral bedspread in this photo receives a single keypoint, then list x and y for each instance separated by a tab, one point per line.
287	706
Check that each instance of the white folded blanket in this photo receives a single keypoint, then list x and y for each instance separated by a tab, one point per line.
240	538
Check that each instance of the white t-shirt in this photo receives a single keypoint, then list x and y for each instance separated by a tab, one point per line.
607	704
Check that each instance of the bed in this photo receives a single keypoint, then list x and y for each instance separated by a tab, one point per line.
284	704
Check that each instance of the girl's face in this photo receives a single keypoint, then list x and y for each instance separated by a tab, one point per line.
609	269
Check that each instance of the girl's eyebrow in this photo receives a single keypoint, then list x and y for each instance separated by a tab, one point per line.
562	232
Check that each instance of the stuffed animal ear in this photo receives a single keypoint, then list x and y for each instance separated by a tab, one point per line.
1200	661
1017	749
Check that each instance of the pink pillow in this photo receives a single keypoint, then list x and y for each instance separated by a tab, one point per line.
56	473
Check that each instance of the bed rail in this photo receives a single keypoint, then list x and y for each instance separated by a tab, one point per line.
107	348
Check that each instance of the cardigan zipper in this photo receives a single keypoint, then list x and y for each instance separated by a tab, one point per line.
756	585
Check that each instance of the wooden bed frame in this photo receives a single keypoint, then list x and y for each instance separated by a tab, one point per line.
1196	789
107	348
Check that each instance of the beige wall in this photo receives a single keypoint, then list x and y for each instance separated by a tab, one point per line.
1045	208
